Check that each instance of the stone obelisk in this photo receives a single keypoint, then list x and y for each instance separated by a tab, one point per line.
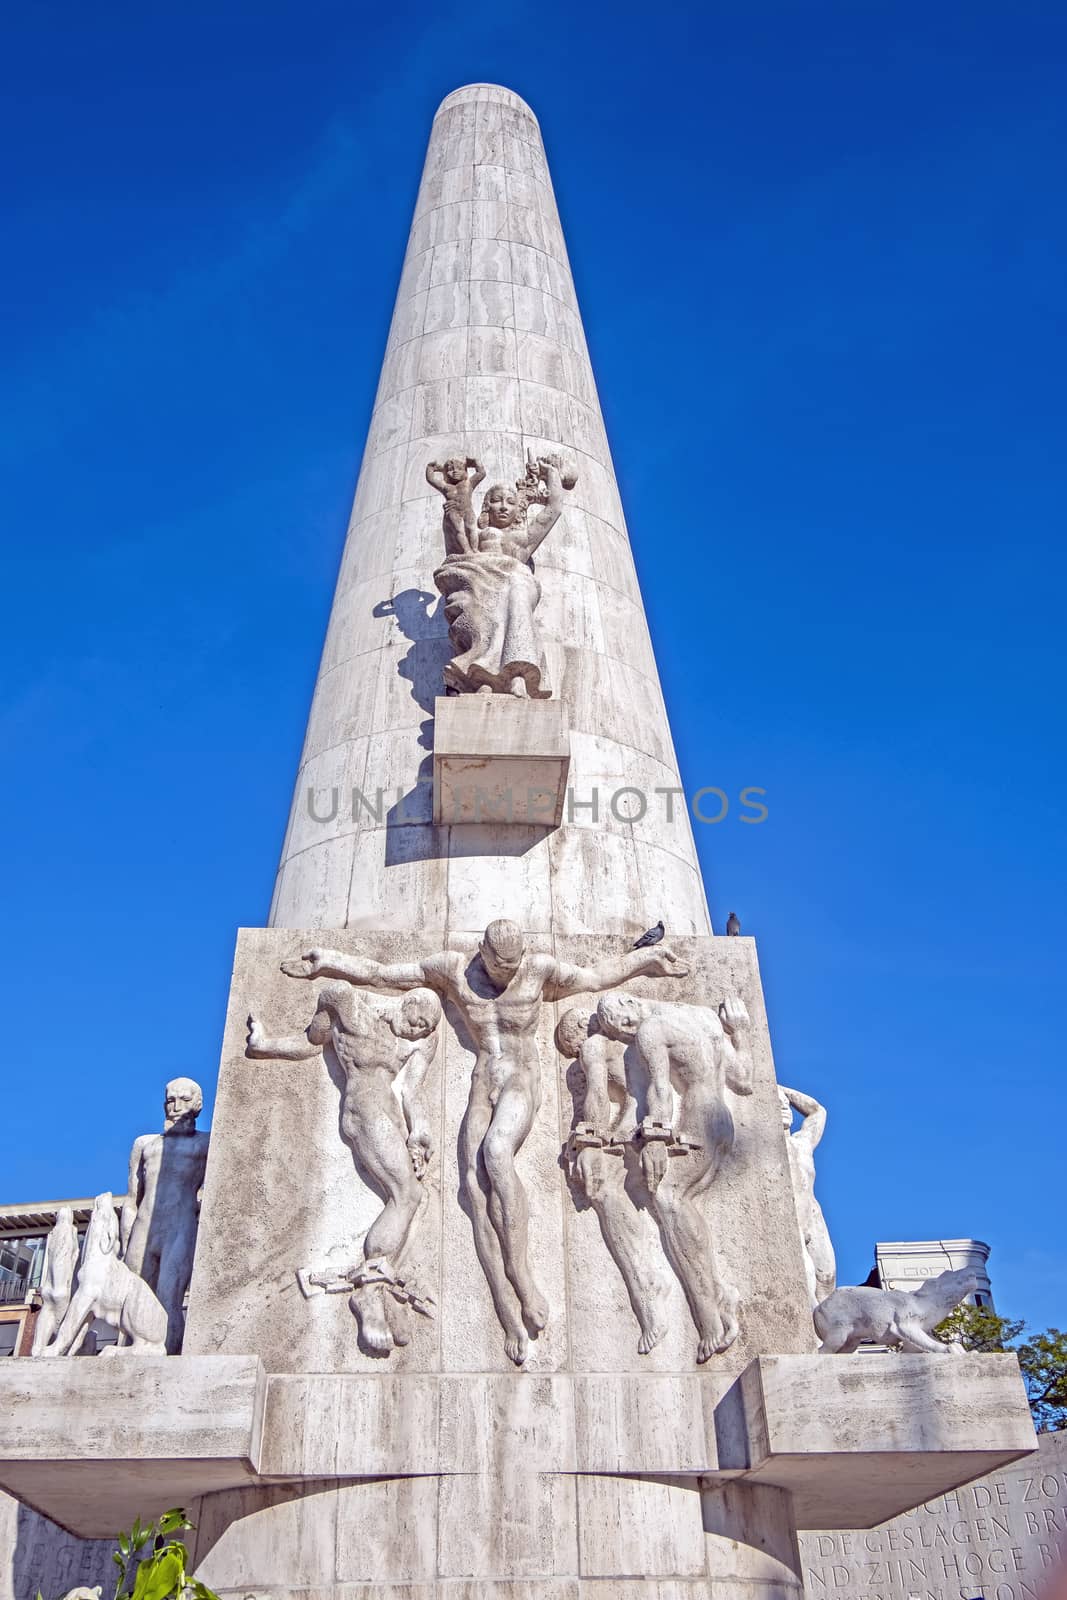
486	358
500	1289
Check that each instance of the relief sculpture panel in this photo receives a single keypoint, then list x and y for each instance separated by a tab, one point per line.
670	1137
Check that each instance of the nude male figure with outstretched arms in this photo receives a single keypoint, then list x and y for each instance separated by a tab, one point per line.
499	993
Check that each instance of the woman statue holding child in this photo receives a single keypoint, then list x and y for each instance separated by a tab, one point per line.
487	578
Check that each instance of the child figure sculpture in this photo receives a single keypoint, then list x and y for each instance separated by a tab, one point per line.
457	478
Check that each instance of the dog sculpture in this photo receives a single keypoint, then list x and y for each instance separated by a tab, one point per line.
106	1288
893	1316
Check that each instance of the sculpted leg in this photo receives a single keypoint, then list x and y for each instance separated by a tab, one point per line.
134	1255
915	1340
175	1268
486	1240
603	1178
687	1242
384	1152
822	1253
44	1328
73	1328
509	1208
142	1318
810	1276
381	1148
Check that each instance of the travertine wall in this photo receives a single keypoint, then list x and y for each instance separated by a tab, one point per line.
486	357
1001	1538
36	1554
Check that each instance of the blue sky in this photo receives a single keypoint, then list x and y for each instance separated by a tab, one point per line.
819	249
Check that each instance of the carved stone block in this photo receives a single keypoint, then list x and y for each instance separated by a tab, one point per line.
93	1443
500	759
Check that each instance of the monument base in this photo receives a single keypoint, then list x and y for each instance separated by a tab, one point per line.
498	758
340	1484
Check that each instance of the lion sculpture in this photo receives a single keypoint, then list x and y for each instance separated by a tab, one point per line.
848	1317
106	1288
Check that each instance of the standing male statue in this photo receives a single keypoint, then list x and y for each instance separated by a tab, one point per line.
159	1219
691	1050
372	1040
499	992
819	1263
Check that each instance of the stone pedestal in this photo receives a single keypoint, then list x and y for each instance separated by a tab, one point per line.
500	759
480	1483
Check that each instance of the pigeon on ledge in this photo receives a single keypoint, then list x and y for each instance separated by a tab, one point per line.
653	936
733	925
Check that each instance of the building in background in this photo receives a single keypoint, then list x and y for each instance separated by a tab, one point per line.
907	1264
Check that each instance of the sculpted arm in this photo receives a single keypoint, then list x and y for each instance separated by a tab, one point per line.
813	1127
420	1140
565	979
296	1047
135	1183
135	1187
433	972
652	1047
541	526
654	1052
596	1107
435	477
479	471
737	1052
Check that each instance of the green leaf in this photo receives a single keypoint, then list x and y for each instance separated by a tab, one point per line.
172	1520
162	1576
201	1591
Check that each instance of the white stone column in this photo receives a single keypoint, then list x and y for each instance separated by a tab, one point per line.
486	357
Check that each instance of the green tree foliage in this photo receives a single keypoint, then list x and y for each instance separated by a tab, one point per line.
1043	1360
978	1328
1042	1357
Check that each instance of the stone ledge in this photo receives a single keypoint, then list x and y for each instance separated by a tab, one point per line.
499	759
93	1443
858	1439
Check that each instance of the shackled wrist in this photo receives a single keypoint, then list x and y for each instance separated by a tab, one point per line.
649	1131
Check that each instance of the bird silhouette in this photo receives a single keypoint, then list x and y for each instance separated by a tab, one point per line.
653	936
733	924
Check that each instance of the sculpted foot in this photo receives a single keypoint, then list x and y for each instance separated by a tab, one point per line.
397	1317
715	1339
534	1310
730	1301
650	1337
516	1345
374	1330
